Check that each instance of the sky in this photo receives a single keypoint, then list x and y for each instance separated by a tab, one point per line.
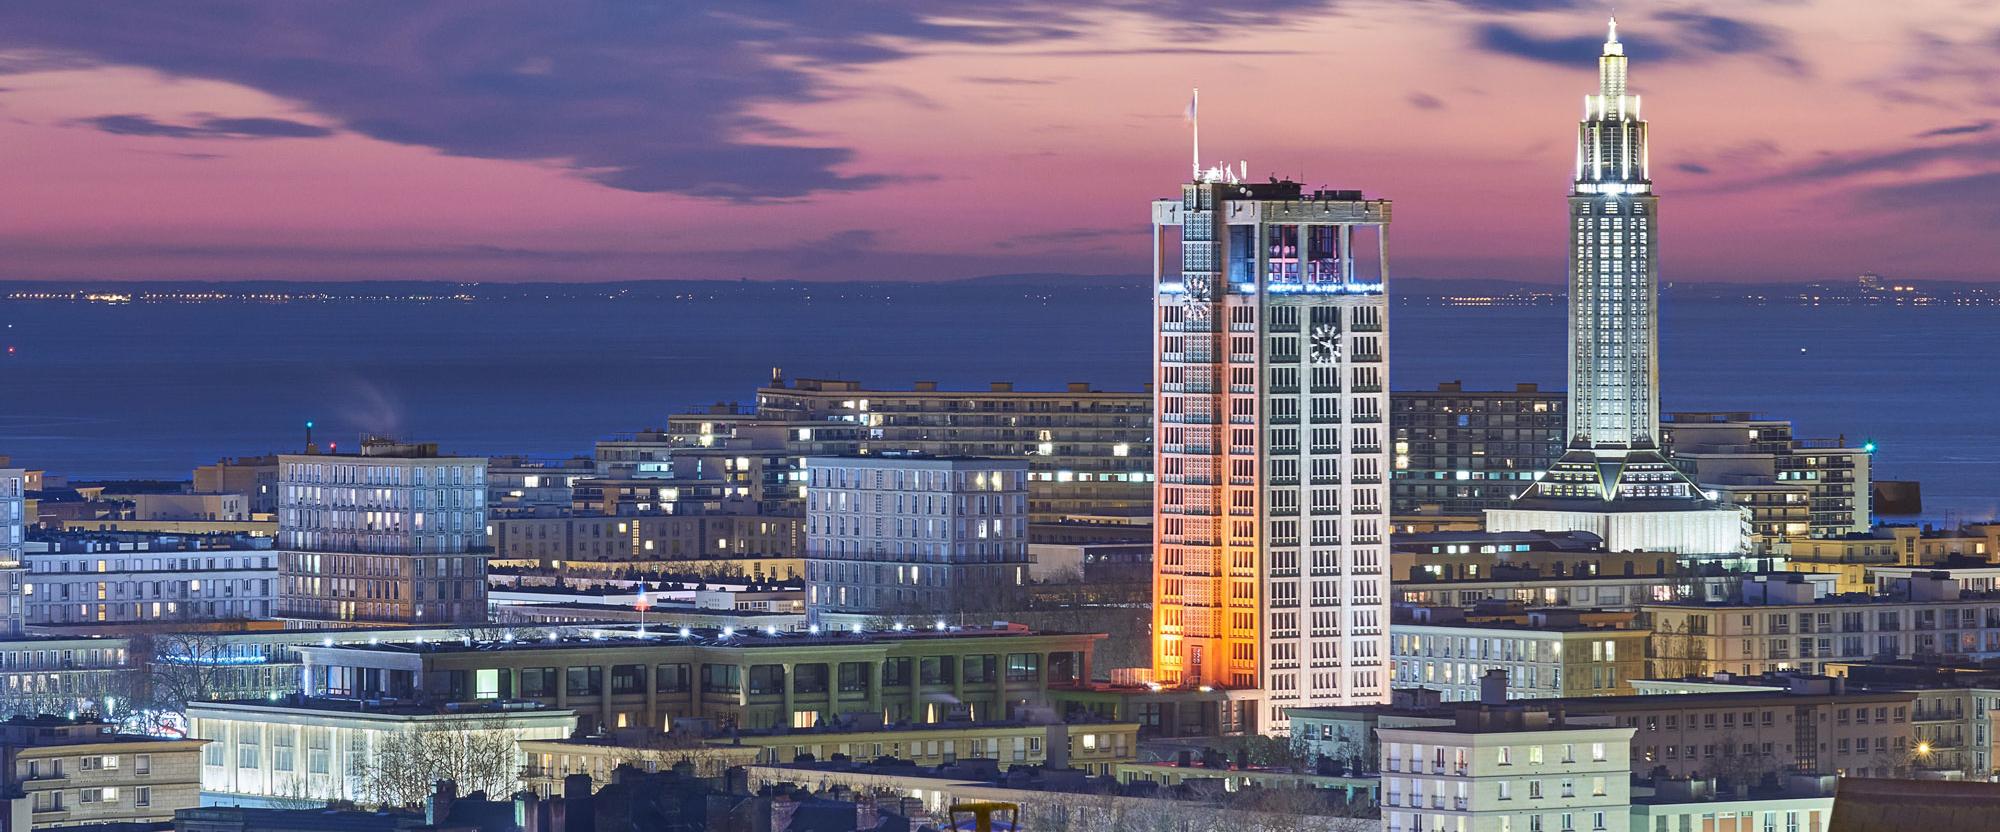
934	139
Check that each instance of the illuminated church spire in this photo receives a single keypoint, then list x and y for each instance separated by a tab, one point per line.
1613	472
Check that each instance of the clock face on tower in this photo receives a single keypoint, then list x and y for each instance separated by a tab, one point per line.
1325	344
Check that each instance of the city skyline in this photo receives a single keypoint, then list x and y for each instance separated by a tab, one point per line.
589	144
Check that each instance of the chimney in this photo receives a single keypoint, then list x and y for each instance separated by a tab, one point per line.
1003	387
438	807
527	811
1451	386
1079	387
1493	687
579	812
926	387
1527	387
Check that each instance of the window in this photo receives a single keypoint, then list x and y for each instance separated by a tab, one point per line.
1023	667
142	796
538	682
721	678
767	678
142	764
809	678
936	670
486	683
1597	752
628	679
319	750
673	678
1534	755
107	794
896	673
586	681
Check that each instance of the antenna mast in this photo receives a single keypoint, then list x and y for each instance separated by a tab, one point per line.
1194	118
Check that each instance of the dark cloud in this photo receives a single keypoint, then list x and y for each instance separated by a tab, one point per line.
1894	160
1964	201
644	95
1425	101
1519	5
1682	36
1957	130
209	127
1001	81
1695	168
1508	39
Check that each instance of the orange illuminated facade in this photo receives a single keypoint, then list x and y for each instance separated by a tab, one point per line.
1270	347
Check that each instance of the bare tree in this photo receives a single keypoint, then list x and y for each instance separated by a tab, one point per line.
1677	652
478	755
186	667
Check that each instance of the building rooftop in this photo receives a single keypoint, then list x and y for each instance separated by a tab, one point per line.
386	707
628	636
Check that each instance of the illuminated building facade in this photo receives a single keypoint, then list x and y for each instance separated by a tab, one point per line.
905	534
1088	450
1612	480
13	536
1793	486
1459	452
1271	355
394	534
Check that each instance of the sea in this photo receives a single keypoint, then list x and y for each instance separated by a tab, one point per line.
151	389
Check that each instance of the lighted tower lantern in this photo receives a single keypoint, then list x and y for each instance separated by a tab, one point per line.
1612	480
1271	359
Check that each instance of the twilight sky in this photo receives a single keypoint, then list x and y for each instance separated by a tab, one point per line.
918	139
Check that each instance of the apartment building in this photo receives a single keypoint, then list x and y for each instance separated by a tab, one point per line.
1778	624
1793	487
1089	451
255	478
13	536
1460	452
1495	768
520	486
746	545
393	534
77	772
896	534
79	581
1544	653
1854	556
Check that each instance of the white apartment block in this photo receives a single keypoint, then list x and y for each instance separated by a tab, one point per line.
1499	769
896	534
1271	348
1543	659
139	585
394	534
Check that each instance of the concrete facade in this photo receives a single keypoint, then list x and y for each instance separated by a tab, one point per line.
901	535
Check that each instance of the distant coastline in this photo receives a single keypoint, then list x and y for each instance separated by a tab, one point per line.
1426	291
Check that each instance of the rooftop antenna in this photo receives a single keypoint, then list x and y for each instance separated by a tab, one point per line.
1193	115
